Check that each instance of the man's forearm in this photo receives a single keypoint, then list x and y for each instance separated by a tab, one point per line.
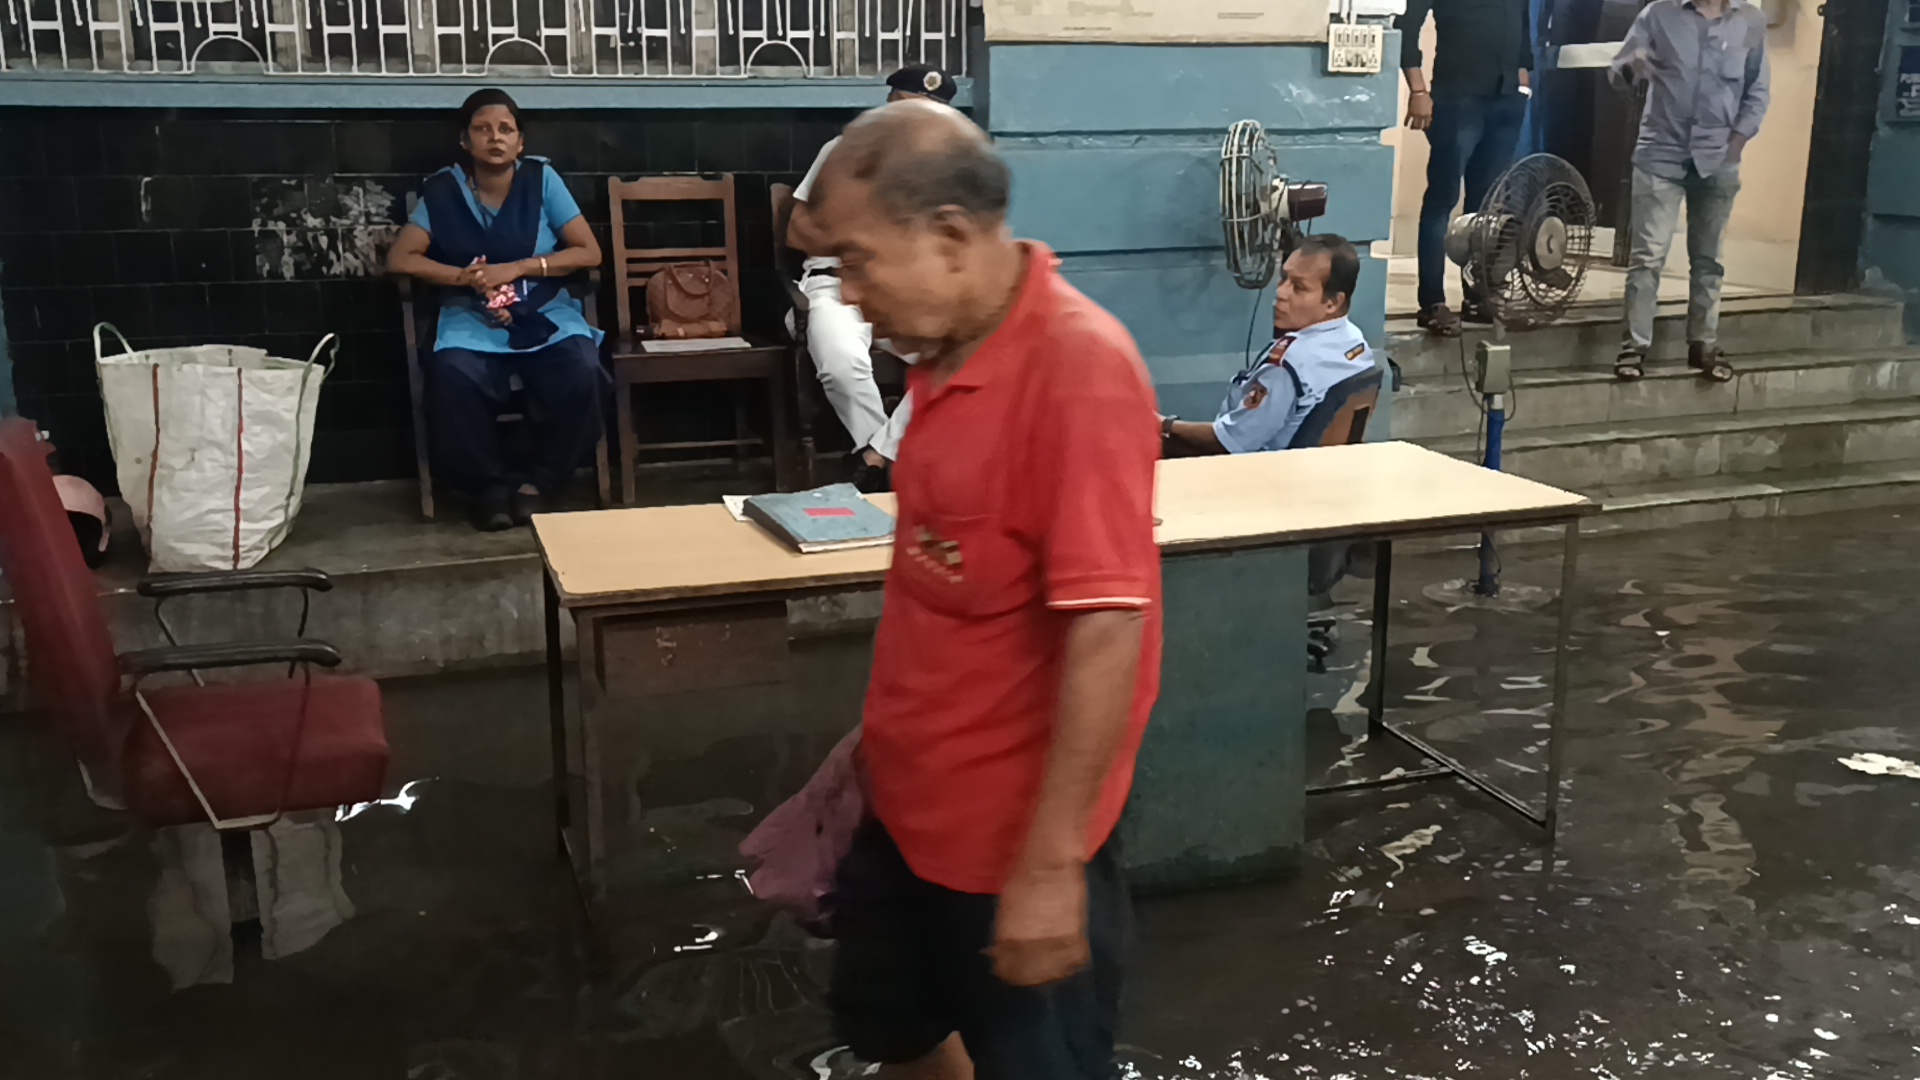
1100	674
1197	436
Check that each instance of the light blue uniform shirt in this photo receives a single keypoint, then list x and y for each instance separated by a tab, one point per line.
464	327
1265	406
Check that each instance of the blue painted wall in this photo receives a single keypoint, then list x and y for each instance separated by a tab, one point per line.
1115	152
1892	248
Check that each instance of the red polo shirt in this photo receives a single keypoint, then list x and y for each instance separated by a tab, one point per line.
1026	495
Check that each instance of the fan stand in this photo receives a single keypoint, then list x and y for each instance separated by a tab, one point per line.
1488	583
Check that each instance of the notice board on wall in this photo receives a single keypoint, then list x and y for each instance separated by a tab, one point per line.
1157	21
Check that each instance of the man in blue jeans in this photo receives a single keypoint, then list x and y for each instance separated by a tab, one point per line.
1703	65
1483	52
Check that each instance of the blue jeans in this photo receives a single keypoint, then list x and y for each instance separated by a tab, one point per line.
467	391
1656	214
1472	138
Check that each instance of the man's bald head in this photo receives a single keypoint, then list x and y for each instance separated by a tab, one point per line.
918	157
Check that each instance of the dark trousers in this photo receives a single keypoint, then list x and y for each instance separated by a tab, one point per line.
911	969
466	392
1471	138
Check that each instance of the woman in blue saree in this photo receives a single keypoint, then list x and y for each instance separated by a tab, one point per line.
499	234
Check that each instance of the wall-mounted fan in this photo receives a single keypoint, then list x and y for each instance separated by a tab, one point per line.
1524	251
1260	209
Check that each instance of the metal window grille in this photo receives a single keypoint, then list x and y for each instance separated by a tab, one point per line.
490	38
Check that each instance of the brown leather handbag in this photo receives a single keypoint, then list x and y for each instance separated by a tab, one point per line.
690	300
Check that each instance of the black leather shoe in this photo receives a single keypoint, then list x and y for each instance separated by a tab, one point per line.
524	506
490	512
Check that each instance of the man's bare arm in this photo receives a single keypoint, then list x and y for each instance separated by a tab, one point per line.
1041	936
800	232
1197	436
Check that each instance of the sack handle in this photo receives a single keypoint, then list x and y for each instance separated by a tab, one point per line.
98	353
333	356
300	416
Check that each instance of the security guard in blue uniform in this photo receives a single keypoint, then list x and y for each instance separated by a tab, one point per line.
1317	348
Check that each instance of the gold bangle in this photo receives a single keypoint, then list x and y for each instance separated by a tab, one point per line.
543	266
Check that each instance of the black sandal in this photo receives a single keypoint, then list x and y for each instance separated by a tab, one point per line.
1710	362
1473	311
1629	366
1438	320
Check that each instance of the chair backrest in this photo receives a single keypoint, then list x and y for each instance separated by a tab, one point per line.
1340	419
72	669
633	266
784	260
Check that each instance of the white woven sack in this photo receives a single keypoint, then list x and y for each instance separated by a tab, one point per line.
211	445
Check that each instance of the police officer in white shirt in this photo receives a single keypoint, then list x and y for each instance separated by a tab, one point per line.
1317	348
838	338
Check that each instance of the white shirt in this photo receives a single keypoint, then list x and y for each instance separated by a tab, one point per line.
816	262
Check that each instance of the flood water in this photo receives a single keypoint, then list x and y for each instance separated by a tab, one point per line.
1735	891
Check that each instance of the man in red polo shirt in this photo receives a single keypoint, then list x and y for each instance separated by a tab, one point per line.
981	916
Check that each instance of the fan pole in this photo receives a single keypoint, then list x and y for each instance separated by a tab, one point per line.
1489	583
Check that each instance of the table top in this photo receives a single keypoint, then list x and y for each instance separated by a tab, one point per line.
1370	491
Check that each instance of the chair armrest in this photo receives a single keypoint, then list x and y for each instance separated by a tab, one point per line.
165	586
795	296
247	654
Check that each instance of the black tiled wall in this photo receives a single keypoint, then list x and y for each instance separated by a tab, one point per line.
266	229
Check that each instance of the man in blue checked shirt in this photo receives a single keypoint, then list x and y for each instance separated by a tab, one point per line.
1703	67
1316	349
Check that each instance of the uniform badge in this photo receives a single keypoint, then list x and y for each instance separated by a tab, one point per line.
1354	353
931	81
1256	396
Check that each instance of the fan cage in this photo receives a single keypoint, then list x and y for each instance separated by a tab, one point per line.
1248	176
1531	241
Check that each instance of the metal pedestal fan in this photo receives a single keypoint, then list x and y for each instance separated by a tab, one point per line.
1523	254
1261	211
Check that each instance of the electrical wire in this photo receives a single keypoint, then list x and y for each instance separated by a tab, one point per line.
1252	320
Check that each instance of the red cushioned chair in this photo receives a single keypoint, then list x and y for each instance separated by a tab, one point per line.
236	755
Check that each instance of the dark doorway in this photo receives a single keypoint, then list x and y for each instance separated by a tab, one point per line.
1846	105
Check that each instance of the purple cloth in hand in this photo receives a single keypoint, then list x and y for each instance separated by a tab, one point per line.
799	846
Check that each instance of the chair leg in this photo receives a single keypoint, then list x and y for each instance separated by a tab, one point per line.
777	397
603	472
739	429
629	442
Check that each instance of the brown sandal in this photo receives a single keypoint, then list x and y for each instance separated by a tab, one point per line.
1710	362
1438	320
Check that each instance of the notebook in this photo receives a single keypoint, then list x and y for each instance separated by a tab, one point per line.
832	518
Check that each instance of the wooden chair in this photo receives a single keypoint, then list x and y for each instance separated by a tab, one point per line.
809	398
420	317
633	366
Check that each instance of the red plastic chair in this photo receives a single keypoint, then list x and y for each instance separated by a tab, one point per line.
236	755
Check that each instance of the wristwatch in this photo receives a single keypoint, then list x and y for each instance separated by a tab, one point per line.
1166	426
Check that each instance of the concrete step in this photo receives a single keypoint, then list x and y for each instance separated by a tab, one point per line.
1595	457
1442	405
1787	493
1589	335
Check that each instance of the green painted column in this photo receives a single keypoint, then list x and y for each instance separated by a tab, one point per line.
1219	794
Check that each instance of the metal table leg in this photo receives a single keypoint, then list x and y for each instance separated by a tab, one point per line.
556	707
1562	647
1444	766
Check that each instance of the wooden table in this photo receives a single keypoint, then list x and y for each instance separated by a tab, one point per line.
685	597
